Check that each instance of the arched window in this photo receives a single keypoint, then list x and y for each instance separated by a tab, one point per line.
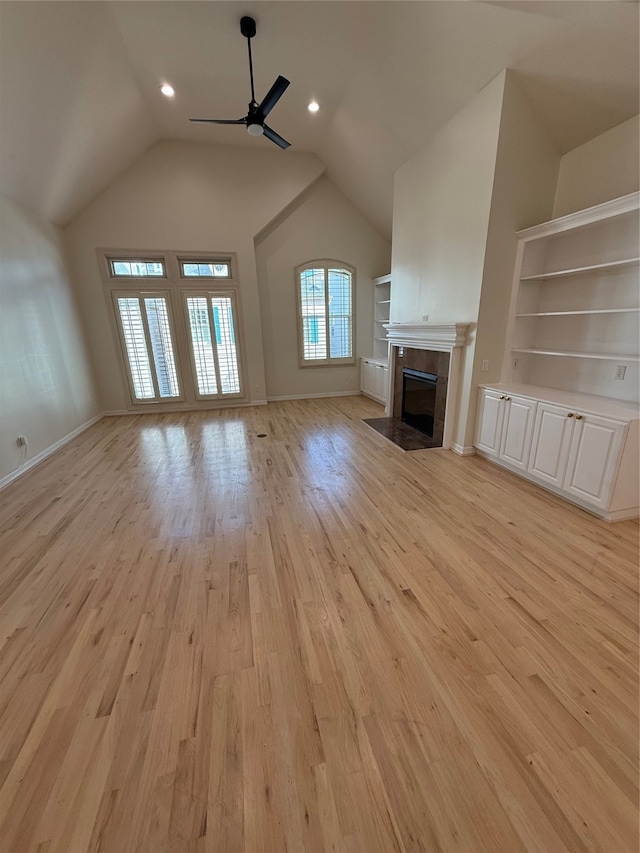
325	313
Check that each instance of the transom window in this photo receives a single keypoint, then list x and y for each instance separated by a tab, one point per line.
133	268
325	313
205	269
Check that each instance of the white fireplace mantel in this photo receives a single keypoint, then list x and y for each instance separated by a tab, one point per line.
442	337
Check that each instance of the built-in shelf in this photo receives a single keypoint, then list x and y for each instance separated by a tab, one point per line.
588	311
563	353
575	306
382	307
382	281
611	265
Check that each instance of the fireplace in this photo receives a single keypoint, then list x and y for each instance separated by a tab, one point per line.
419	399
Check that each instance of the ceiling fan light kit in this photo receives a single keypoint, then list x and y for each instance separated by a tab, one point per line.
254	119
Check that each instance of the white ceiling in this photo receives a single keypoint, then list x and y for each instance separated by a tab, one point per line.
79	82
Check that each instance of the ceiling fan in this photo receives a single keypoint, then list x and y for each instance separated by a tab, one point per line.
254	119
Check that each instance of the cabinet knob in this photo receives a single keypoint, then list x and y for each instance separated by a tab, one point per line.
502	397
570	415
578	417
507	398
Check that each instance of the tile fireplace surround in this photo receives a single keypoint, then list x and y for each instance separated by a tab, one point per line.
431	348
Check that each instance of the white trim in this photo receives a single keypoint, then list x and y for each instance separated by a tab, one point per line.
615	207
441	337
462	449
355	393
605	515
382	279
48	451
166	410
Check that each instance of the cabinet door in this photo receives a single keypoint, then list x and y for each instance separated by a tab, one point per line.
552	433
380	381
385	383
490	415
366	376
593	458
517	428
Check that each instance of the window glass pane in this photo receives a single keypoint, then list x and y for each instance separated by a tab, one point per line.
136	346
160	335
226	344
209	269
201	345
340	325
313	310
136	268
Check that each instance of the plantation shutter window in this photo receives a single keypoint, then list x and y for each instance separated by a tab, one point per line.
213	344
148	344
325	313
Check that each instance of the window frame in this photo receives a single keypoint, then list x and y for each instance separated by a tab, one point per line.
128	257
172	286
141	294
207	293
325	264
204	258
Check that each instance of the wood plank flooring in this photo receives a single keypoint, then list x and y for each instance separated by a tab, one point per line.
310	641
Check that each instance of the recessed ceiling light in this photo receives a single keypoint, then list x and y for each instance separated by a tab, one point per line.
167	90
313	107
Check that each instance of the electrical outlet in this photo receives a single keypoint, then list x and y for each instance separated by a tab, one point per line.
21	441
485	364
621	369
425	317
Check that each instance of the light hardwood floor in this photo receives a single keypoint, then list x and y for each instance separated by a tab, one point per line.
309	642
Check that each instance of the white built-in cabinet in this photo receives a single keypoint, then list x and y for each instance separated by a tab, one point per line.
374	370
505	425
587	457
374	378
565	414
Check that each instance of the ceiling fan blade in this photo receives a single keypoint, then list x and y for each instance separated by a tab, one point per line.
275	137
218	120
273	96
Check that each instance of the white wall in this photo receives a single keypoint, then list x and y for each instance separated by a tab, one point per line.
525	180
441	207
603	168
320	224
46	388
188	197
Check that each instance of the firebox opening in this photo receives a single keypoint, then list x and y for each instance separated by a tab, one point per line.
419	399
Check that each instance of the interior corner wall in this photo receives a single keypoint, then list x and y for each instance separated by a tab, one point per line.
322	224
606	167
46	387
526	173
182	196
441	208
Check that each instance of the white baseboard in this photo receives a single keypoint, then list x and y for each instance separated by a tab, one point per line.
463	449
48	451
237	404
355	393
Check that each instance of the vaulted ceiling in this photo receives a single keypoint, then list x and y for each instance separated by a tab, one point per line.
80	100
